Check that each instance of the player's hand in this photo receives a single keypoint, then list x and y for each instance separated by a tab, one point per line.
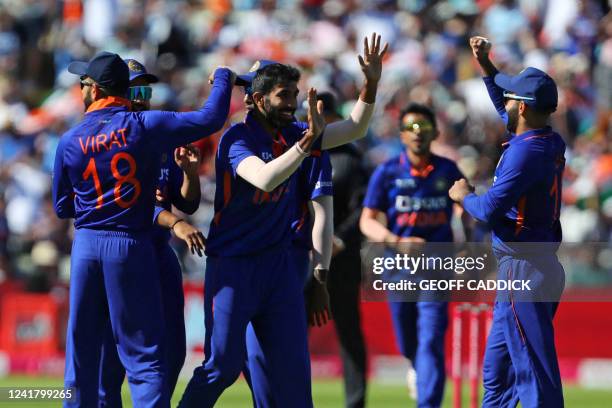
412	246
371	61
191	235
317	304
211	77
460	190
480	48
316	121
160	197
338	245
188	158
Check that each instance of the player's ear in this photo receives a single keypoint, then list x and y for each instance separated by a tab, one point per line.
522	107
258	99
96	92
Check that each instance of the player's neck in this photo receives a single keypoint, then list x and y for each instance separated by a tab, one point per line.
418	160
264	123
534	124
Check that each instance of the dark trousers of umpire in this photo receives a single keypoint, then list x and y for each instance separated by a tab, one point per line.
344	292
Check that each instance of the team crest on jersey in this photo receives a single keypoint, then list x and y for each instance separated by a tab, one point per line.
441	184
135	66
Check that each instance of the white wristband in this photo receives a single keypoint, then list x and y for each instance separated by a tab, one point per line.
300	151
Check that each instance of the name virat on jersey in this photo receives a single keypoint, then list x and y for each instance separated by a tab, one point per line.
95	143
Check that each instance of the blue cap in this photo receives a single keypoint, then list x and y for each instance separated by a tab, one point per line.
106	68
246	79
137	70
533	86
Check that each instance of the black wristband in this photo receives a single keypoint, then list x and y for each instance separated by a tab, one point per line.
176	222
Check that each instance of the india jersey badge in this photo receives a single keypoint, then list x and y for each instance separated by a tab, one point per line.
441	184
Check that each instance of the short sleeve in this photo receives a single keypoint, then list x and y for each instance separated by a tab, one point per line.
320	176
375	197
236	147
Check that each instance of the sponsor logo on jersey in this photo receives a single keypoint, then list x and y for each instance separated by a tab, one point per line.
405	183
408	203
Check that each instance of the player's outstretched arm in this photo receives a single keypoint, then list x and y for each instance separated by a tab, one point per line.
183	230
356	126
480	49
173	129
268	176
188	159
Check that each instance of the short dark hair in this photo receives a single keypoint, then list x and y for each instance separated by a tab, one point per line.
419	108
113	91
270	76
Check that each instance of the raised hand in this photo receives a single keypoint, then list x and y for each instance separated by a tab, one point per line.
480	47
371	61
188	158
316	119
211	77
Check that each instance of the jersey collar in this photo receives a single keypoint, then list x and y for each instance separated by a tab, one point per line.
422	171
109	102
530	134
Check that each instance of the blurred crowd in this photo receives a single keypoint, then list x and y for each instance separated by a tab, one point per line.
182	41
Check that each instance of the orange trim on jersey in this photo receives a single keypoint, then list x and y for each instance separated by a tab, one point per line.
227	194
534	136
422	172
520	216
108	102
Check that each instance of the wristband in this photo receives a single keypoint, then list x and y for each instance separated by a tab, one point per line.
176	222
301	151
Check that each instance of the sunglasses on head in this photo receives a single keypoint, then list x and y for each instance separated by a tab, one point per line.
84	83
417	126
140	93
509	95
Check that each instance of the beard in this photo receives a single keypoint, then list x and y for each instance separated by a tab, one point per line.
278	118
139	106
87	100
513	114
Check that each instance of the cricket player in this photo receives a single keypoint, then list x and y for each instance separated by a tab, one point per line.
105	176
312	228
411	191
522	205
178	184
250	277
312	220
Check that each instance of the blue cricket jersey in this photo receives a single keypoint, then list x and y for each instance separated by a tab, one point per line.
524	201
415	201
169	183
249	220
106	166
314	180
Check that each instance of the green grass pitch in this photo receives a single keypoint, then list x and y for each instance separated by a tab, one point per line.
326	393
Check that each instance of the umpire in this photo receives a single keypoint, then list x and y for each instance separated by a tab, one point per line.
349	179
